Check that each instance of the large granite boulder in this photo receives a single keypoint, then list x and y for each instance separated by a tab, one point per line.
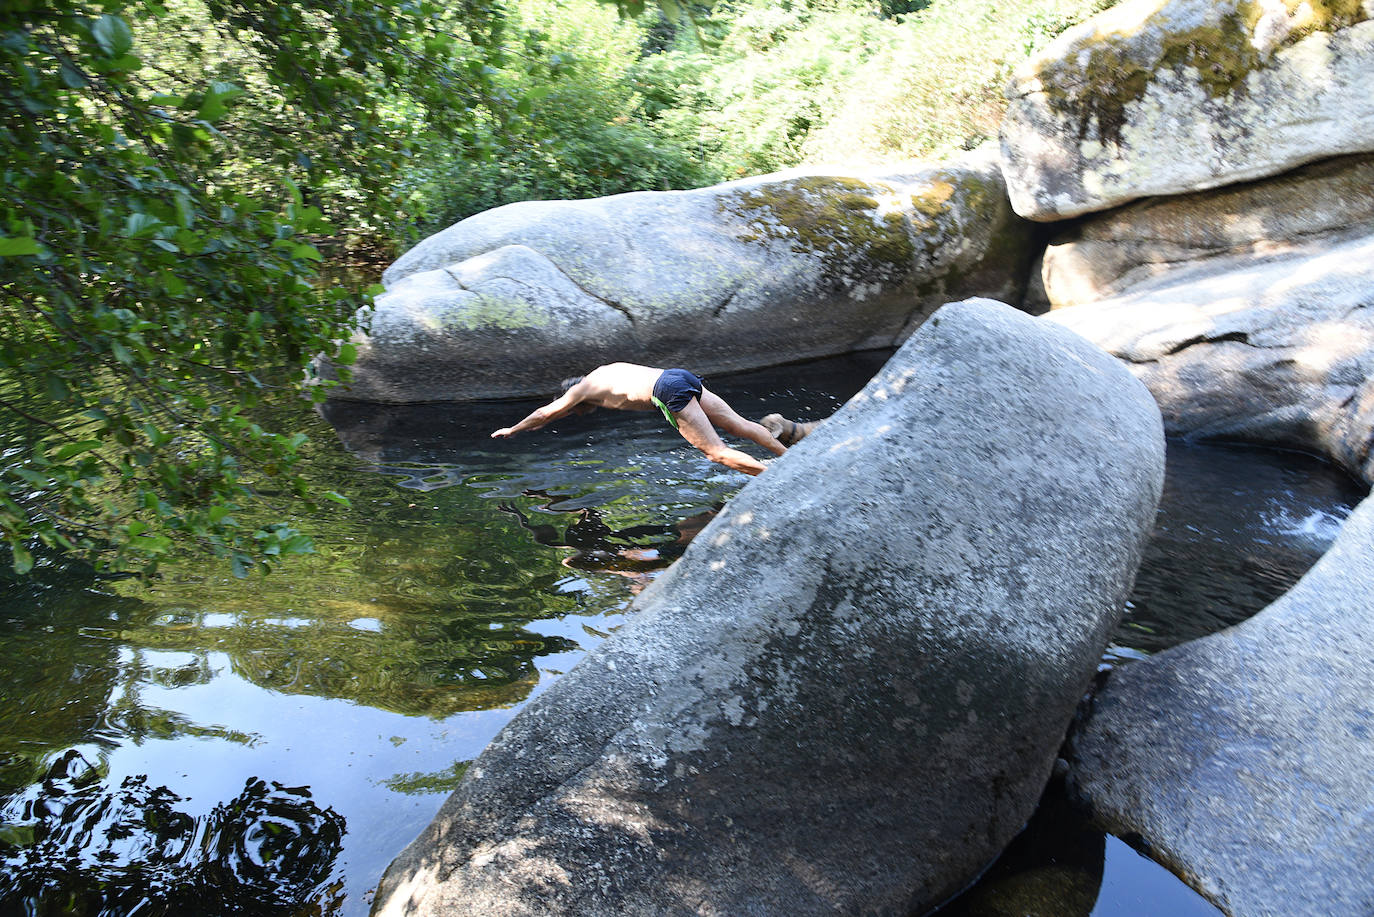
1244	759
846	697
753	273
1274	348
1111	252
1157	97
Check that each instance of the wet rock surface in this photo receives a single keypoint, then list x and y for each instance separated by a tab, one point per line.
960	538
1243	759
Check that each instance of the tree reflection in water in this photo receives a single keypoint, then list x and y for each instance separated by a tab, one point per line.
68	845
634	552
439	602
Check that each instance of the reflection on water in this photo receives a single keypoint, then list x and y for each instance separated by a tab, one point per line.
72	846
634	552
241	717
1024	881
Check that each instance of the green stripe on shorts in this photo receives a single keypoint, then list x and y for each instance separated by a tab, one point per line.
672	418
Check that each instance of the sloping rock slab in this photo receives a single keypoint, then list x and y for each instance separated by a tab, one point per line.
1156	97
846	697
752	273
1244	759
1274	349
1109	253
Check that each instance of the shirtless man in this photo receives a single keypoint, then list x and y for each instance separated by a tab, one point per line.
692	409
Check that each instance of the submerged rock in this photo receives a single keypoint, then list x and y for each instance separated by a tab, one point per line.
1244	759
847	696
1156	97
757	272
1272	348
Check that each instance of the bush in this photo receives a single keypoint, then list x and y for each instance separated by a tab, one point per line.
595	116
166	174
654	103
938	84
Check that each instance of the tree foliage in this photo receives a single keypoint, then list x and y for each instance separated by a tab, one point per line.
614	96
178	172
584	120
168	173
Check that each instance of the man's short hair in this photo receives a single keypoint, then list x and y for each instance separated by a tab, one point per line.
570	382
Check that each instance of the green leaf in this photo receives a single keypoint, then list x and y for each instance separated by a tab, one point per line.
338	498
33	477
113	35
152	544
298	544
72	78
23	559
212	109
11	246
348	353
56	387
185	213
137	224
212	105
66	451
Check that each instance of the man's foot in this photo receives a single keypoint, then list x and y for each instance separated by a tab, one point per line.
787	432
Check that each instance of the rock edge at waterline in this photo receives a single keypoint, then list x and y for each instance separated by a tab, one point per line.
757	272
1275	348
1244	759
848	694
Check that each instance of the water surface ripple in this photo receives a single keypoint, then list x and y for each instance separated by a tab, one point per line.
202	744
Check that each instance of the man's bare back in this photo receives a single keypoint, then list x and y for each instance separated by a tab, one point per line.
622	386
696	412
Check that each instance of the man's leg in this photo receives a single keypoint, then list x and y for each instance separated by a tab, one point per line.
694	426
723	417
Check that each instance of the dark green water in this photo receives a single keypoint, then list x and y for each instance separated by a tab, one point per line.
209	745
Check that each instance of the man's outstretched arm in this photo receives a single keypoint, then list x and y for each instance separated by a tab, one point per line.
559	407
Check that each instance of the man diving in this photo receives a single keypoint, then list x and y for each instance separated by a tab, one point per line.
692	409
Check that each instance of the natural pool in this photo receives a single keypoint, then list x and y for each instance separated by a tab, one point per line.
209	745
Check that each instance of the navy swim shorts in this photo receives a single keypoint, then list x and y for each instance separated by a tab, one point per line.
673	390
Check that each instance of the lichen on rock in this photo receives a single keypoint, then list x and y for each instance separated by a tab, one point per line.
853	225
1170	96
1113	70
750	273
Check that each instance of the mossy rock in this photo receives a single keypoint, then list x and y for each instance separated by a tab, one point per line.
1152	98
751	273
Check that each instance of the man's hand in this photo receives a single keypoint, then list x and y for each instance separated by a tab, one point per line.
504	433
